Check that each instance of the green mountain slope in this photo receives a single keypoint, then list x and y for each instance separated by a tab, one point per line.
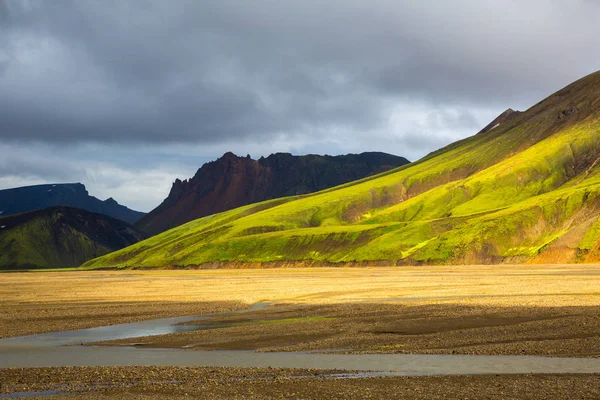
60	237
525	190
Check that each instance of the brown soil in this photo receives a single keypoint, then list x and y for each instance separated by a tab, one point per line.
240	383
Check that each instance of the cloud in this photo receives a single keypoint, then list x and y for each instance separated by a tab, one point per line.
203	72
126	90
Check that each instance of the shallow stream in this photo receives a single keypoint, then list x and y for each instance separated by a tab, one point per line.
62	349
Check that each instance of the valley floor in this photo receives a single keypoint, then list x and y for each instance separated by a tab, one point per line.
525	309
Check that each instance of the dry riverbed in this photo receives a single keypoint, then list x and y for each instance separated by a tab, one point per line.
530	309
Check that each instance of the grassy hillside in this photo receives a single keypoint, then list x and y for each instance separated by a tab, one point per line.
526	190
60	237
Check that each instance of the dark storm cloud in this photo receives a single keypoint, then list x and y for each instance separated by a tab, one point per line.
213	71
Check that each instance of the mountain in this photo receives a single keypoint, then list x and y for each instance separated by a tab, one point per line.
526	191
233	181
29	198
60	237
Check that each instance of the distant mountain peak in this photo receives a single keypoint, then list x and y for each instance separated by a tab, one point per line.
30	198
501	119
228	156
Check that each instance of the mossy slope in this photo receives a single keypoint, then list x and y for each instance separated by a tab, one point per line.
527	190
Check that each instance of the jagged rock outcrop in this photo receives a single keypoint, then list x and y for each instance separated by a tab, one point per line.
233	181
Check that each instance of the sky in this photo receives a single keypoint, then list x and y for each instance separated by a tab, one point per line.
127	95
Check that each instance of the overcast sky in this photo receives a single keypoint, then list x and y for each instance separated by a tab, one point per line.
127	95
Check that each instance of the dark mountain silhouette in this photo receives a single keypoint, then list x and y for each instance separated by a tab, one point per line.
29	198
233	181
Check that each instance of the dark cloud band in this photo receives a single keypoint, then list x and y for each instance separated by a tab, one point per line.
186	71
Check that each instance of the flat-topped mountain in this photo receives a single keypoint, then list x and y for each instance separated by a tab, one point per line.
233	181
29	198
60	237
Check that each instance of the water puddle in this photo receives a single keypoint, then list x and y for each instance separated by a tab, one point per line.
112	332
152	327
